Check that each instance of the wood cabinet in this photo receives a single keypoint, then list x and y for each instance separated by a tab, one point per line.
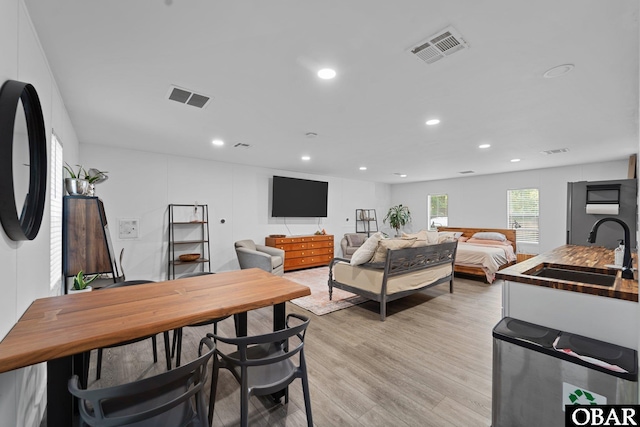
86	242
304	251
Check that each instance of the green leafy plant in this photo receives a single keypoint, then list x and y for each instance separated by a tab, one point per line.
398	216
79	175
80	281
83	174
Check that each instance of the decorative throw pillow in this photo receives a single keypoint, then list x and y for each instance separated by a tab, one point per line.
381	252
430	236
420	235
366	251
448	236
489	235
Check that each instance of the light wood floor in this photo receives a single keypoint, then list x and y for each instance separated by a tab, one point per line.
428	364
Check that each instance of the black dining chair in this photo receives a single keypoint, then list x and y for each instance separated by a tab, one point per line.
176	345
172	398
153	337
263	365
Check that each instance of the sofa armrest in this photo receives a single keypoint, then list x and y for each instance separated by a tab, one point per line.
271	250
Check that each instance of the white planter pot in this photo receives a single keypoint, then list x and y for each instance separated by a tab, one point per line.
74	291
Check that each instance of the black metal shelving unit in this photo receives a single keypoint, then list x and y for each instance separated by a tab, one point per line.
366	221
198	218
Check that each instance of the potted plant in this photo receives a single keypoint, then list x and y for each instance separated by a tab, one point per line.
76	184
82	182
398	216
81	282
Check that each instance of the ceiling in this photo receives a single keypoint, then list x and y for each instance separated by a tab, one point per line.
115	61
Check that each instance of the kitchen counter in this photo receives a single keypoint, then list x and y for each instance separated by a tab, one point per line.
605	313
584	258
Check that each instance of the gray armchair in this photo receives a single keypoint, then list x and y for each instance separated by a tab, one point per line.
351	242
266	258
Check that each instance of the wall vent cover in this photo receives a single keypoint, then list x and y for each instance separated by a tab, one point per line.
440	45
189	97
556	151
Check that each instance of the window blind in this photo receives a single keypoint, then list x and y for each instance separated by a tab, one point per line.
438	210
57	192
523	214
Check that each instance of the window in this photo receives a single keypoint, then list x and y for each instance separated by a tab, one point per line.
57	191
438	211
523	214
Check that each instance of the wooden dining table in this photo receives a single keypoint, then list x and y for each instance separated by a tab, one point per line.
60	330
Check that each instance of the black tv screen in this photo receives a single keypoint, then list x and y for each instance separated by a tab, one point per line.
293	197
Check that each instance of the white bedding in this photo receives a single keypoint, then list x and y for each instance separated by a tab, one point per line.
488	257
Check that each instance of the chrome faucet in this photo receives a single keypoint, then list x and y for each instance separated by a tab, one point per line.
627	268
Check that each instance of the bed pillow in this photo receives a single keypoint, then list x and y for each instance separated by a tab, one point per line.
381	252
365	252
462	239
489	235
489	242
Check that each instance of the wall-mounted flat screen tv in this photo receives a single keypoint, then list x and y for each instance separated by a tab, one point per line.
293	197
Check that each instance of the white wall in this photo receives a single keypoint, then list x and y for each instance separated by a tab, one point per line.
142	184
481	201
25	265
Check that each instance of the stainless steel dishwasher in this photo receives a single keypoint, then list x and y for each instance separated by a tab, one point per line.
537	371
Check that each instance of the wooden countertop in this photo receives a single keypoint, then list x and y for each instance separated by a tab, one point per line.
584	258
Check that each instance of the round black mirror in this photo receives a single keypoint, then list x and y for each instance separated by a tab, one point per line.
13	154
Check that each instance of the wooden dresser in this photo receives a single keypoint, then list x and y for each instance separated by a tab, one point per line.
304	251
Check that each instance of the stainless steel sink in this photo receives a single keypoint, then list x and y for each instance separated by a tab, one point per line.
564	272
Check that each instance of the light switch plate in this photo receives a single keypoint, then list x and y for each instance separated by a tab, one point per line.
128	228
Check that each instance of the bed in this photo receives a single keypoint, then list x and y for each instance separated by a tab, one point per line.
403	272
483	260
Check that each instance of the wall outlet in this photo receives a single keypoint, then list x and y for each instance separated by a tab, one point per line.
128	228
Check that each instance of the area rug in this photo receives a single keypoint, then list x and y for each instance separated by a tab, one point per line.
318	302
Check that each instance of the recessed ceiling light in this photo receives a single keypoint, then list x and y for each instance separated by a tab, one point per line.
363	168
218	142
403	175
433	122
515	160
305	158
484	145
327	73
558	71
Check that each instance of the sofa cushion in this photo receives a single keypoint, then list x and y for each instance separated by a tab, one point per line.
350	250
276	261
356	239
366	251
381	251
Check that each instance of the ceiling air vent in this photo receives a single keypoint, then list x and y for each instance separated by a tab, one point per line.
186	96
556	151
439	45
241	145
